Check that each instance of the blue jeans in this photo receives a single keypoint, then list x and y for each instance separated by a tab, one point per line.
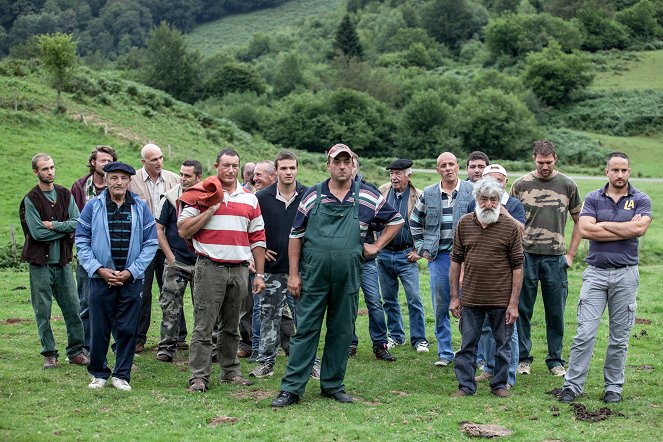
487	342
471	323
441	296
255	324
392	266
377	326
550	270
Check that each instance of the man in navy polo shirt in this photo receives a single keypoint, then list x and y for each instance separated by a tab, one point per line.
612	218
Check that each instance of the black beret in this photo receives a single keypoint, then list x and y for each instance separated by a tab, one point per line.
400	165
119	166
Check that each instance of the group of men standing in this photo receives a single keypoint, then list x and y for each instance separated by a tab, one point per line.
256	260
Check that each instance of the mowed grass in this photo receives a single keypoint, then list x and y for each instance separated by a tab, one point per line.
405	400
643	74
238	29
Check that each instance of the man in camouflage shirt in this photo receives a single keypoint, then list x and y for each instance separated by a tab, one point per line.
547	196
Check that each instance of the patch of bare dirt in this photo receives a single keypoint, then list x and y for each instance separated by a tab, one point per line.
582	414
256	395
222	420
642	321
484	430
57	318
554	411
11	321
362	312
645	367
555	392
400	393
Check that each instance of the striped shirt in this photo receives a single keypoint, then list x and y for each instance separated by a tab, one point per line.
418	220
119	228
372	208
233	231
490	256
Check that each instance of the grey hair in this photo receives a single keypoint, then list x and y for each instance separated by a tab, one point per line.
408	171
487	186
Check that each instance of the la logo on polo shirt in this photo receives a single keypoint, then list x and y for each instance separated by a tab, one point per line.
629	205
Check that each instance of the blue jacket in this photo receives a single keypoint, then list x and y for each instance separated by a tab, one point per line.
433	199
93	241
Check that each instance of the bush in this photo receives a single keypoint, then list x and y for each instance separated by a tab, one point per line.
10	258
556	77
577	149
640	19
234	77
600	31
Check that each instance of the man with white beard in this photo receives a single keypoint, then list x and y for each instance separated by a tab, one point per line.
489	244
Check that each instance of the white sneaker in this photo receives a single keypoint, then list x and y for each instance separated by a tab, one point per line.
422	347
97	383
120	384
524	368
391	343
442	362
557	370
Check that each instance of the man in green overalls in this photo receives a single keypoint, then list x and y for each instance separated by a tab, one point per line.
327	246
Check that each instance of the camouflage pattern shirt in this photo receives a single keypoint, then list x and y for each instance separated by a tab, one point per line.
547	205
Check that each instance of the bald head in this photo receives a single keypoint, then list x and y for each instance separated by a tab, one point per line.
152	159
447	167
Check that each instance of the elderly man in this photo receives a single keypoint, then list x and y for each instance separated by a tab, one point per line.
476	163
612	218
249	318
226	236
247	176
149	183
278	203
83	190
548	197
510	207
432	223
116	240
327	243
398	259
48	217
179	262
489	244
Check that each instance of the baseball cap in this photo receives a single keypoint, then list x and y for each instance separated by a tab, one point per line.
494	168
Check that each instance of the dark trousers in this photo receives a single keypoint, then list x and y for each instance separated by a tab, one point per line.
471	323
119	307
155	268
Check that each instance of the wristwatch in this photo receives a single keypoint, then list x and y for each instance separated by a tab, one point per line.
260	275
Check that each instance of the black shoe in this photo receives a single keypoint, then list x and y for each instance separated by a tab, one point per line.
382	353
612	397
339	396
284	399
352	351
253	357
567	395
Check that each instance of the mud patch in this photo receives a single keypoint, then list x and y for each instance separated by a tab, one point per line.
256	395
222	420
11	321
400	393
582	414
555	392
484	430
57	318
554	411
642	321
362	312
645	367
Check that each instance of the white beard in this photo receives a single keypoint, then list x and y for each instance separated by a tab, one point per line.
487	216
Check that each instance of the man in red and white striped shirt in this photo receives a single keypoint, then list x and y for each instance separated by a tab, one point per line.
226	236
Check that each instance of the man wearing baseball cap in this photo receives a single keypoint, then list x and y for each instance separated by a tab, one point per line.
327	242
116	239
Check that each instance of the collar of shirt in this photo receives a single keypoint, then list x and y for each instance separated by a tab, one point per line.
604	191
505	198
279	197
147	178
128	199
453	193
238	189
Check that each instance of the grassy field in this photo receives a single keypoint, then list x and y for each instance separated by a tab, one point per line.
406	400
643	74
238	29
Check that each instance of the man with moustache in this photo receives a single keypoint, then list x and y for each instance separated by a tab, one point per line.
548	197
398	260
612	219
48	217
149	183
489	244
432	223
179	261
83	190
327	244
249	320
116	239
278	203
226	236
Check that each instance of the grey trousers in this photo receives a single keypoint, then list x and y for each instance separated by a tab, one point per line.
616	288
218	292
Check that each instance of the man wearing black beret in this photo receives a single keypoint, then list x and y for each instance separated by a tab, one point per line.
116	239
399	260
